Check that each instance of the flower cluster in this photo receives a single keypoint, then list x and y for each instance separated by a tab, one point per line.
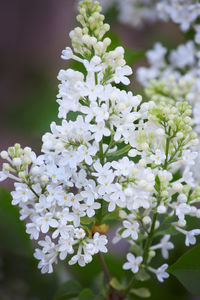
111	154
138	12
184	13
175	77
60	190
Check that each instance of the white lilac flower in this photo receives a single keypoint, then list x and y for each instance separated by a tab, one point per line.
99	130
131	229
4	175
33	230
160	273
46	221
137	12
100	242
179	57
157	55
158	158
190	238
121	73
164	245
67	53
133	263
21	194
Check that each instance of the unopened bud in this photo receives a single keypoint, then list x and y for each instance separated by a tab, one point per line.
17	162
6	167
146	220
44	178
27	160
4	154
22	175
35	171
161	209
27	150
181	223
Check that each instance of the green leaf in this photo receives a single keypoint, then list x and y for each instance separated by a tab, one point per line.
87	220
120	152
142	275
133	55
116	284
86	294
111	216
141	292
13	235
157	183
68	290
72	115
130	55
170	230
136	249
187	270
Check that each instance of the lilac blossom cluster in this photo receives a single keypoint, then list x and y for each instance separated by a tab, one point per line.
175	76
138	12
116	155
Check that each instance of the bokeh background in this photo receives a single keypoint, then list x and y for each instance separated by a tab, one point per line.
33	33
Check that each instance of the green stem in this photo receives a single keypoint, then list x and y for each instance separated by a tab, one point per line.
174	154
104	267
143	226
149	239
145	255
120	152
164	223
166	153
30	187
110	145
108	277
129	287
101	156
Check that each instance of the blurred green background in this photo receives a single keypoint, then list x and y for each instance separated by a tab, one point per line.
33	33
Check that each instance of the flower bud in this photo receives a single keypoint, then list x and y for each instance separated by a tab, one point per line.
146	220
161	209
27	150
128	192
181	223
44	179
122	214
22	175
157	224
177	186
6	167
4	154
27	160
17	162
142	162
35	170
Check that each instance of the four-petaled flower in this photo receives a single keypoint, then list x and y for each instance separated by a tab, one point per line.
133	263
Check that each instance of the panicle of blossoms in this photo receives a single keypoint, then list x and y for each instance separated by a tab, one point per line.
105	4
58	192
115	154
184	13
175	77
163	146
137	12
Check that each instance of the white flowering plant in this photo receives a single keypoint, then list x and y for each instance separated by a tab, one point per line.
112	157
